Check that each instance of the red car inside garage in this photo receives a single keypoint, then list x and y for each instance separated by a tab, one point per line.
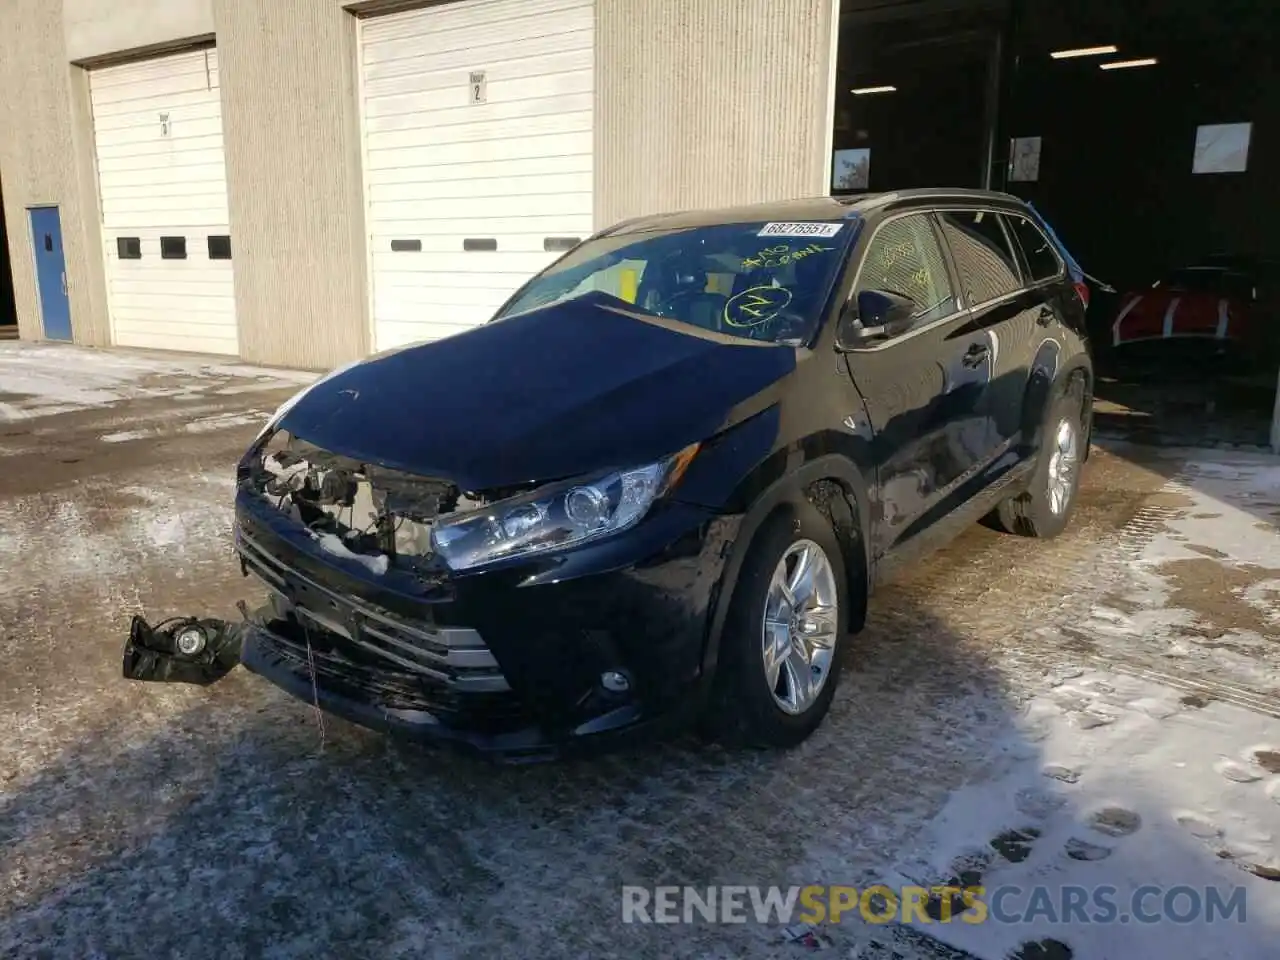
1213	309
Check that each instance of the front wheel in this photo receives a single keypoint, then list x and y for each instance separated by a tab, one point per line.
1044	510
779	655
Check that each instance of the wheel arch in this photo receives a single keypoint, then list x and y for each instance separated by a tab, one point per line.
834	488
1050	378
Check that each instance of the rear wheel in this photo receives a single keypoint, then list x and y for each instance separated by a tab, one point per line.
1045	509
779	655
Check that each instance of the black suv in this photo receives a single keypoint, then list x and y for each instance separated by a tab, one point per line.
662	481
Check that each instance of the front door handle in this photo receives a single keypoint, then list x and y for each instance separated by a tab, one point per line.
64	283
976	355
1044	317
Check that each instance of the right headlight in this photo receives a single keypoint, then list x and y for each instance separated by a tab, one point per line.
552	518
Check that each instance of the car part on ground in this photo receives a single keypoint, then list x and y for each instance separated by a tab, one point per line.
182	650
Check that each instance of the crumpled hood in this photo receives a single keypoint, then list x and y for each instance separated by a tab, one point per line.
558	392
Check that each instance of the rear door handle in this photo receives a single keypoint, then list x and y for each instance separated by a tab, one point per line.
976	355
1044	317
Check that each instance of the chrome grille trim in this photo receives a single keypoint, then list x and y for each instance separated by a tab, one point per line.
456	656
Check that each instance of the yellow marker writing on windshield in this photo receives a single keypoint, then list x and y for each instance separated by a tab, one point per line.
780	256
756	306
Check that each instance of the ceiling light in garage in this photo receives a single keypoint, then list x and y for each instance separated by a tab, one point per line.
863	91
1084	52
1126	64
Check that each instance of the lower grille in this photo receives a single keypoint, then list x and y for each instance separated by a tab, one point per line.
337	670
455	657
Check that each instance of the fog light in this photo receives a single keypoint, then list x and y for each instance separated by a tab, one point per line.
190	641
615	682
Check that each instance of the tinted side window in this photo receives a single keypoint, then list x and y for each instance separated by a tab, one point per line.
905	258
987	265
1037	252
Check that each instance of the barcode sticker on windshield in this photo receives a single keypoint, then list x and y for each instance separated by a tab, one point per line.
810	229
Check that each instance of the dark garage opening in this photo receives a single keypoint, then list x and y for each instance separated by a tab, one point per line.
8	309
934	128
1108	156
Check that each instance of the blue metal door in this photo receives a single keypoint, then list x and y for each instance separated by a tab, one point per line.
51	273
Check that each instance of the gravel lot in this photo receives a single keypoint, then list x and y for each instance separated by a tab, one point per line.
152	820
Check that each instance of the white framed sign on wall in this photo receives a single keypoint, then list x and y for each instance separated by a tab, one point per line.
1222	148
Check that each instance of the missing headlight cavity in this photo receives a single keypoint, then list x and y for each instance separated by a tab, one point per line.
358	511
380	518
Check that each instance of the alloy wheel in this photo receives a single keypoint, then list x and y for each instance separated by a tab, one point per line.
799	629
1064	462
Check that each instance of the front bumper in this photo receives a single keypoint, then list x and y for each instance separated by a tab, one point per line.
383	702
506	662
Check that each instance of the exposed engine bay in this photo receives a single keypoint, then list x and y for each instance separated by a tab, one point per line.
362	512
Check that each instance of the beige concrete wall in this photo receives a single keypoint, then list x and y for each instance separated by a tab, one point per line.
291	128
46	157
708	102
101	28
699	103
96	325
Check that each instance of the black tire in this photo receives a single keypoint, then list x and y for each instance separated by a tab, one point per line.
1030	514
742	711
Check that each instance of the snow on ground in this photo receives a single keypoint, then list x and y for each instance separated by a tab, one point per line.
1132	786
1155	763
47	542
1200	599
39	380
220	421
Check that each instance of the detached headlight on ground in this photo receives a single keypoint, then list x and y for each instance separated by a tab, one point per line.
556	517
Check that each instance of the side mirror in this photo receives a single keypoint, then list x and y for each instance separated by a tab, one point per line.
878	314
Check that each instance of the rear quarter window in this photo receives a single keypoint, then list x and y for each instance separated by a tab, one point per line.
983	254
1041	258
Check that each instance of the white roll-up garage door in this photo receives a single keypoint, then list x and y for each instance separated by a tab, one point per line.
163	184
478	155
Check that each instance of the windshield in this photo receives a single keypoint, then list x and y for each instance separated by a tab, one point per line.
759	281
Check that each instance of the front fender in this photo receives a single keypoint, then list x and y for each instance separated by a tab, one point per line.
801	488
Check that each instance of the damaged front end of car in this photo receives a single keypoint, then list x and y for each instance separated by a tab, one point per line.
345	549
406	604
522	558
